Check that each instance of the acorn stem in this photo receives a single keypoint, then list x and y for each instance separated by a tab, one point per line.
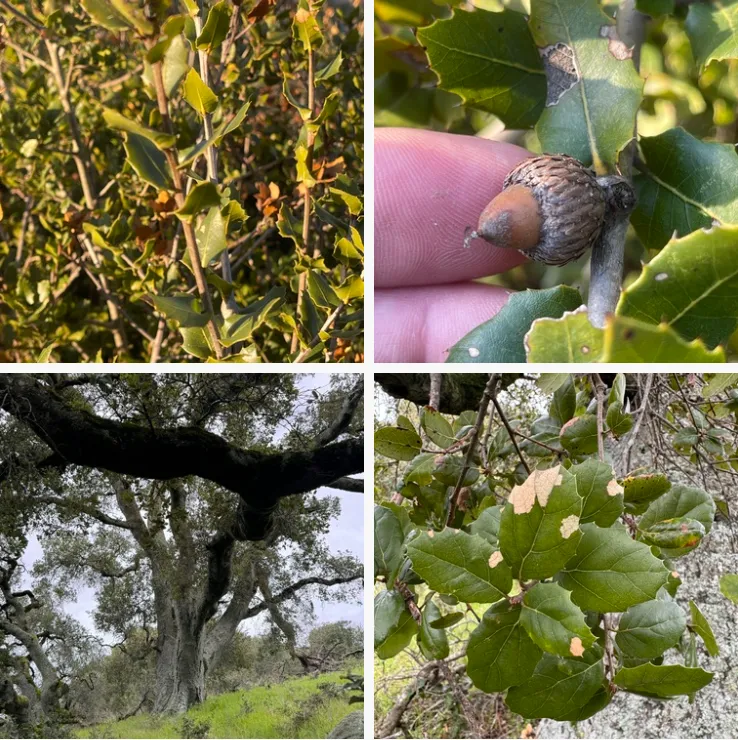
606	271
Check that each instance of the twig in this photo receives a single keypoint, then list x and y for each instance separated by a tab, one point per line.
302	283
434	399
188	228
599	387
27	20
510	432
487	396
314	341
634	434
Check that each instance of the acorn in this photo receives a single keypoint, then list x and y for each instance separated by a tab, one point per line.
553	209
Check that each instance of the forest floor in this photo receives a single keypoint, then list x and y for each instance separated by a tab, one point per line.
308	707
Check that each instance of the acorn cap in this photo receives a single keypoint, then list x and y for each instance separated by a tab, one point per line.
570	213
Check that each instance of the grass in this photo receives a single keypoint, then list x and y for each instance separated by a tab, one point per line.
296	708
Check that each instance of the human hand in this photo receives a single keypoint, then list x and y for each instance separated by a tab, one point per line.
429	187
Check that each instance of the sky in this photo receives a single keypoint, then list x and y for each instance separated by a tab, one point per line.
346	534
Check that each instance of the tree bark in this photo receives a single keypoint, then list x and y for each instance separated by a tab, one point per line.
459	392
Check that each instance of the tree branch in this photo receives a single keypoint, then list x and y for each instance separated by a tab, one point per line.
345	415
353	485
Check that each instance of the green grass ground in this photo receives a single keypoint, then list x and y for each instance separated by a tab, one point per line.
278	711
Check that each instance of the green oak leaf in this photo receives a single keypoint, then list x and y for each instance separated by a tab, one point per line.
198	94
104	13
501	339
432	641
211	236
690	285
539	527
487	525
618	421
640	490
647	630
559	686
116	121
182	308
216	27
500	653
388	538
399	444
394	626
680	501
611	572
686	185
598	702
564	402
566	338
679	535
718	383
490	61
579	435
586	83
712	32
729	587
460	564
201	196
602	494
662	680
240	326
554	622
148	161
437	427
702	627
628	340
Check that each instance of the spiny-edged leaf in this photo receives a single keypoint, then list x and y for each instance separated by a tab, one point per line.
147	160
173	26
618	421
702	627
438	428
566	338
203	195
197	342
198	94
460	564
586	82
487	525
305	27
662	680
500	653
399	444
104	13
174	65
729	587
211	237
718	383
564	402
501	338
559	686
600	491
680	534
611	572
135	14
680	501
321	291
647	630
691	284
579	435
388	537
330	69
215	28
628	340
539	528
394	626
712	32
640	490
687	183
289	226
432	641
490	61
184	309
240	326
116	121
554	622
